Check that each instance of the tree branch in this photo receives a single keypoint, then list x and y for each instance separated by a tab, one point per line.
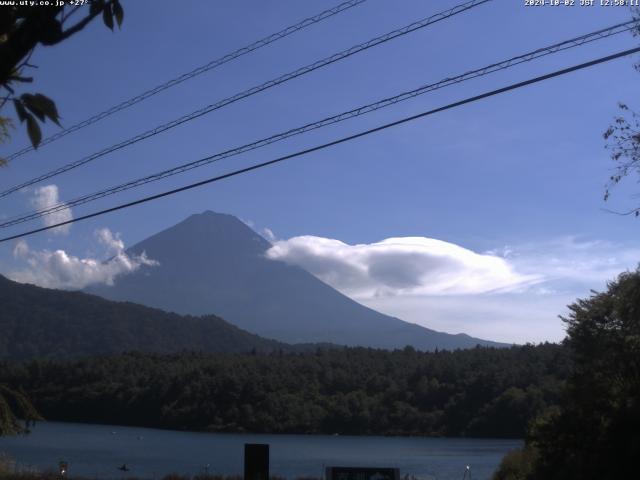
39	26
79	26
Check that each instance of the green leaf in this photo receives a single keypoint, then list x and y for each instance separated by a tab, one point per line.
20	111
118	12
31	103
107	16
48	107
33	129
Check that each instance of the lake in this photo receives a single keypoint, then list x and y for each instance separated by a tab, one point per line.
97	451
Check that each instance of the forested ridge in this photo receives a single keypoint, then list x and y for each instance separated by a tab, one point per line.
483	392
40	322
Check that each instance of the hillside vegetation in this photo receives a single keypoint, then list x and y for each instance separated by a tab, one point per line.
38	322
485	392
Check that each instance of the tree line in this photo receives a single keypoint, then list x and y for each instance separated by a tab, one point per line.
481	392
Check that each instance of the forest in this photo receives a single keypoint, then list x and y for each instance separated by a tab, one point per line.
41	322
480	392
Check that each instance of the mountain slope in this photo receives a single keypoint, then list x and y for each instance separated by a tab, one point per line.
39	322
214	263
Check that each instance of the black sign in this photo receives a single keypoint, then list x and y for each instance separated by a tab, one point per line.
362	473
256	461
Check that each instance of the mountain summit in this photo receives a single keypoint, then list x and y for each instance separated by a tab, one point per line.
213	263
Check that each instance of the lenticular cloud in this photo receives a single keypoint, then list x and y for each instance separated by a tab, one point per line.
398	266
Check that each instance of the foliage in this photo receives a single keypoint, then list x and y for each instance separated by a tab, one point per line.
23	27
623	140
475	392
5	134
517	464
52	323
595	432
6	465
13	405
51	475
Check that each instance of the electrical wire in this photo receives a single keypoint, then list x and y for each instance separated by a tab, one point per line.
193	73
362	110
252	91
300	153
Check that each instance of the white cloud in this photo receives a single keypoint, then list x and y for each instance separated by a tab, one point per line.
510	294
58	269
113	242
268	234
571	264
46	197
401	266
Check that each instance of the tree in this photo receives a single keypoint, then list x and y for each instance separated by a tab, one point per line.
623	141
15	405
22	29
517	465
596	431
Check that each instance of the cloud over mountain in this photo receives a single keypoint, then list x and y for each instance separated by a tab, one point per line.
401	266
508	294
58	269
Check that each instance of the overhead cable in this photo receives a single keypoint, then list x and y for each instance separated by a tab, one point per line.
362	110
193	73
252	91
307	151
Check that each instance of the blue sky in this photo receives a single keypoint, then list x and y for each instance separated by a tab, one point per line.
519	177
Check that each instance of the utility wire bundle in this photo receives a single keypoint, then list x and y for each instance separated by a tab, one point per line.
336	57
263	42
340	117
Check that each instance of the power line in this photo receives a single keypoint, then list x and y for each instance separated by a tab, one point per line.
252	91
307	22
364	133
529	56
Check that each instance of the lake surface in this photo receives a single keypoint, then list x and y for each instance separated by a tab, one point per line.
97	451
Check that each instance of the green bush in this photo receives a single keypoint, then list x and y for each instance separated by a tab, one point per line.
517	464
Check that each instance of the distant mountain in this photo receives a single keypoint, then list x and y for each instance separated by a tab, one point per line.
214	263
39	322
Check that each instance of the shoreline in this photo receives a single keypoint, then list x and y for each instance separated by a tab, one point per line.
93	451
283	434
